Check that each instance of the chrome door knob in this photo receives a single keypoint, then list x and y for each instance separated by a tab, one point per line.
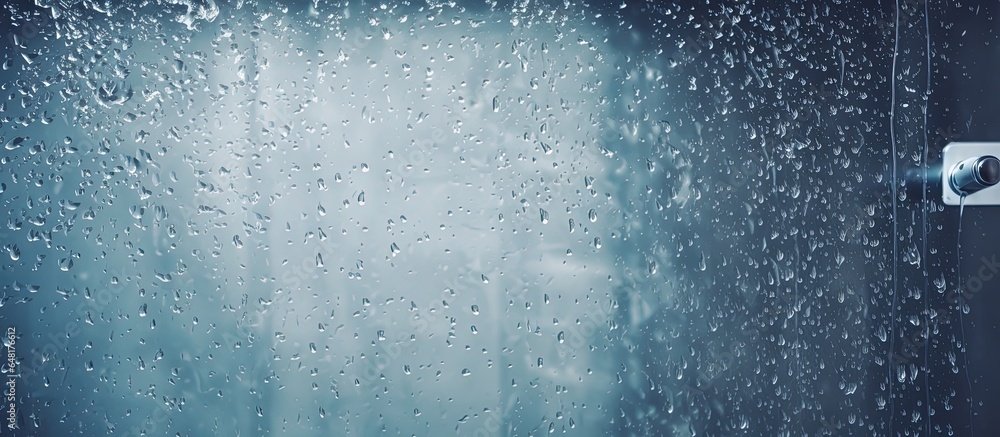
974	174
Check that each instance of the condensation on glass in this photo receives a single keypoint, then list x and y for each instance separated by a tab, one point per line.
475	218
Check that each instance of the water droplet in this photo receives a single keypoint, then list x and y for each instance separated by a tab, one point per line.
14	143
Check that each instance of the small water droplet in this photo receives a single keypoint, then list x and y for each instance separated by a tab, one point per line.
14	143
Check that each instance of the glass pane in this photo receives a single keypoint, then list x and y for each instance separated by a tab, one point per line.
493	218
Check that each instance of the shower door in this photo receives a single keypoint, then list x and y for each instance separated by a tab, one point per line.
494	218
